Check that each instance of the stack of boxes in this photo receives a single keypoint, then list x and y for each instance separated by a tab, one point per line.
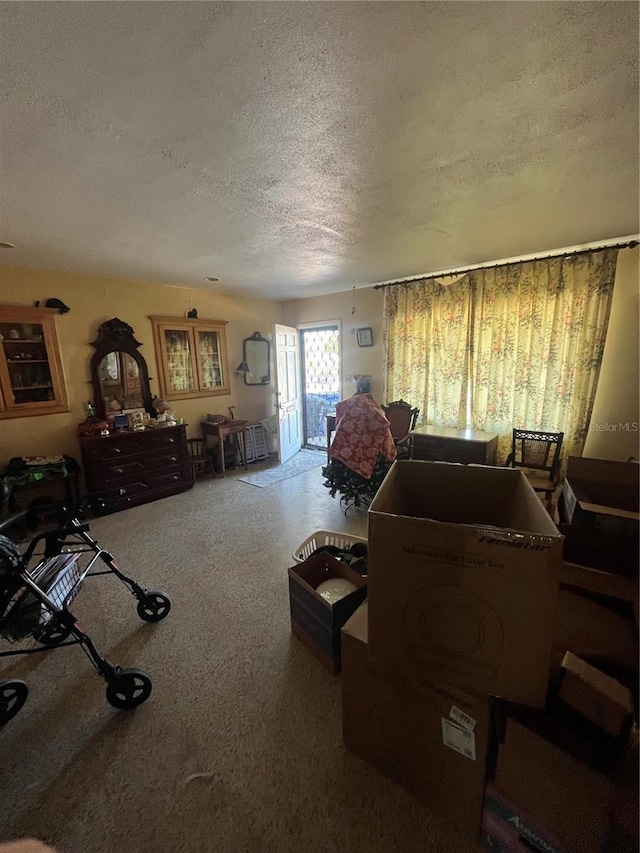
452	654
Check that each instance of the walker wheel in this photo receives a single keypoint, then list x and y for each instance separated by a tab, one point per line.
13	695
154	606
53	634
129	688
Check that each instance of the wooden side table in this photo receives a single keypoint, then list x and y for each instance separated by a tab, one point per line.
221	431
444	444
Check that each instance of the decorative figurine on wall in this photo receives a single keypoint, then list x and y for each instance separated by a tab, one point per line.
192	314
55	303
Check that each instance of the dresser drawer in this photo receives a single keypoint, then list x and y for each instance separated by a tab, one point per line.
140	464
148	482
134	468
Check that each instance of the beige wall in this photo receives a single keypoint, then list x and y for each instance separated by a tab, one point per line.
94	300
616	407
338	306
617	395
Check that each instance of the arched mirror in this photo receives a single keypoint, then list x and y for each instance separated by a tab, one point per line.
255	351
118	371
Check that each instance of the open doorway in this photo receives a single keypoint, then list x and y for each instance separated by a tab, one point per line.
320	363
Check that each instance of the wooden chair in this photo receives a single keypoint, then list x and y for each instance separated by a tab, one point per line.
199	457
539	452
402	418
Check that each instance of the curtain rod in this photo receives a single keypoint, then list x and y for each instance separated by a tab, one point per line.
630	245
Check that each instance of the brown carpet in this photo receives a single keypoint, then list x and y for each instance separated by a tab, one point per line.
235	697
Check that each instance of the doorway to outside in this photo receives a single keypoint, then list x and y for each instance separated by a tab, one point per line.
320	362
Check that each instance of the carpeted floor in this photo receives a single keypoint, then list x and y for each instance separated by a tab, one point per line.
235	697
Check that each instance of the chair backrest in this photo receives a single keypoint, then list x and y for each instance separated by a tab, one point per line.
197	448
538	450
402	418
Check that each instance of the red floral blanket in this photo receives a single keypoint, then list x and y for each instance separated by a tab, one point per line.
362	434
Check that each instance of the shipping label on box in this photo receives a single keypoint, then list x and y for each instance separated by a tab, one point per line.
410	735
458	739
454	597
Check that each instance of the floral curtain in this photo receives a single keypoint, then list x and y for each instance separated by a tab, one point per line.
427	349
523	343
538	334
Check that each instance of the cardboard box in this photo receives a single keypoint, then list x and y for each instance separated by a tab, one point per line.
463	571
601	582
432	741
594	633
625	819
314	620
602	494
595	549
506	828
571	800
601	699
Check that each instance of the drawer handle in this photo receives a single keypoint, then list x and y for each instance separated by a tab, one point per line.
118	470
117	450
122	492
174	458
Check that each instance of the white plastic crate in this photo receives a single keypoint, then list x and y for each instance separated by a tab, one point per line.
325	537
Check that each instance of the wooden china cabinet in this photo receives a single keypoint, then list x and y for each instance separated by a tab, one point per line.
192	357
31	376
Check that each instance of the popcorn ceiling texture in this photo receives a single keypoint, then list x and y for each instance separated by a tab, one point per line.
294	149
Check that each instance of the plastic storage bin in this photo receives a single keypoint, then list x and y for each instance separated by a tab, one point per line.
325	537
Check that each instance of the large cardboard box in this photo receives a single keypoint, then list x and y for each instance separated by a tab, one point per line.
597	697
463	572
596	634
601	582
315	621
432	741
597	549
602	494
506	828
570	799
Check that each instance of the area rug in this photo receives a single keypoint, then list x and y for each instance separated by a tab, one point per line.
303	461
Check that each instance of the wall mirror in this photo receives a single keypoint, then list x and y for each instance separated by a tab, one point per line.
255	351
118	371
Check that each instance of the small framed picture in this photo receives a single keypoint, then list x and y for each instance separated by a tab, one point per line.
364	337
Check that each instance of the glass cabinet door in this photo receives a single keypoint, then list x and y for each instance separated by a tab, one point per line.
31	380
192	357
209	359
180	374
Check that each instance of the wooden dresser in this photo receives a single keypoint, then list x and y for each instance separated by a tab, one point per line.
443	444
132	468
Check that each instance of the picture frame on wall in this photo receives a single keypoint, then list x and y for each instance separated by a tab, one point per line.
364	337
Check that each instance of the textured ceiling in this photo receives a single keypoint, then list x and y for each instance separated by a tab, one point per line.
294	148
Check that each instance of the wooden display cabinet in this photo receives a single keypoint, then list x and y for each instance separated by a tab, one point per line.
192	357
31	376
